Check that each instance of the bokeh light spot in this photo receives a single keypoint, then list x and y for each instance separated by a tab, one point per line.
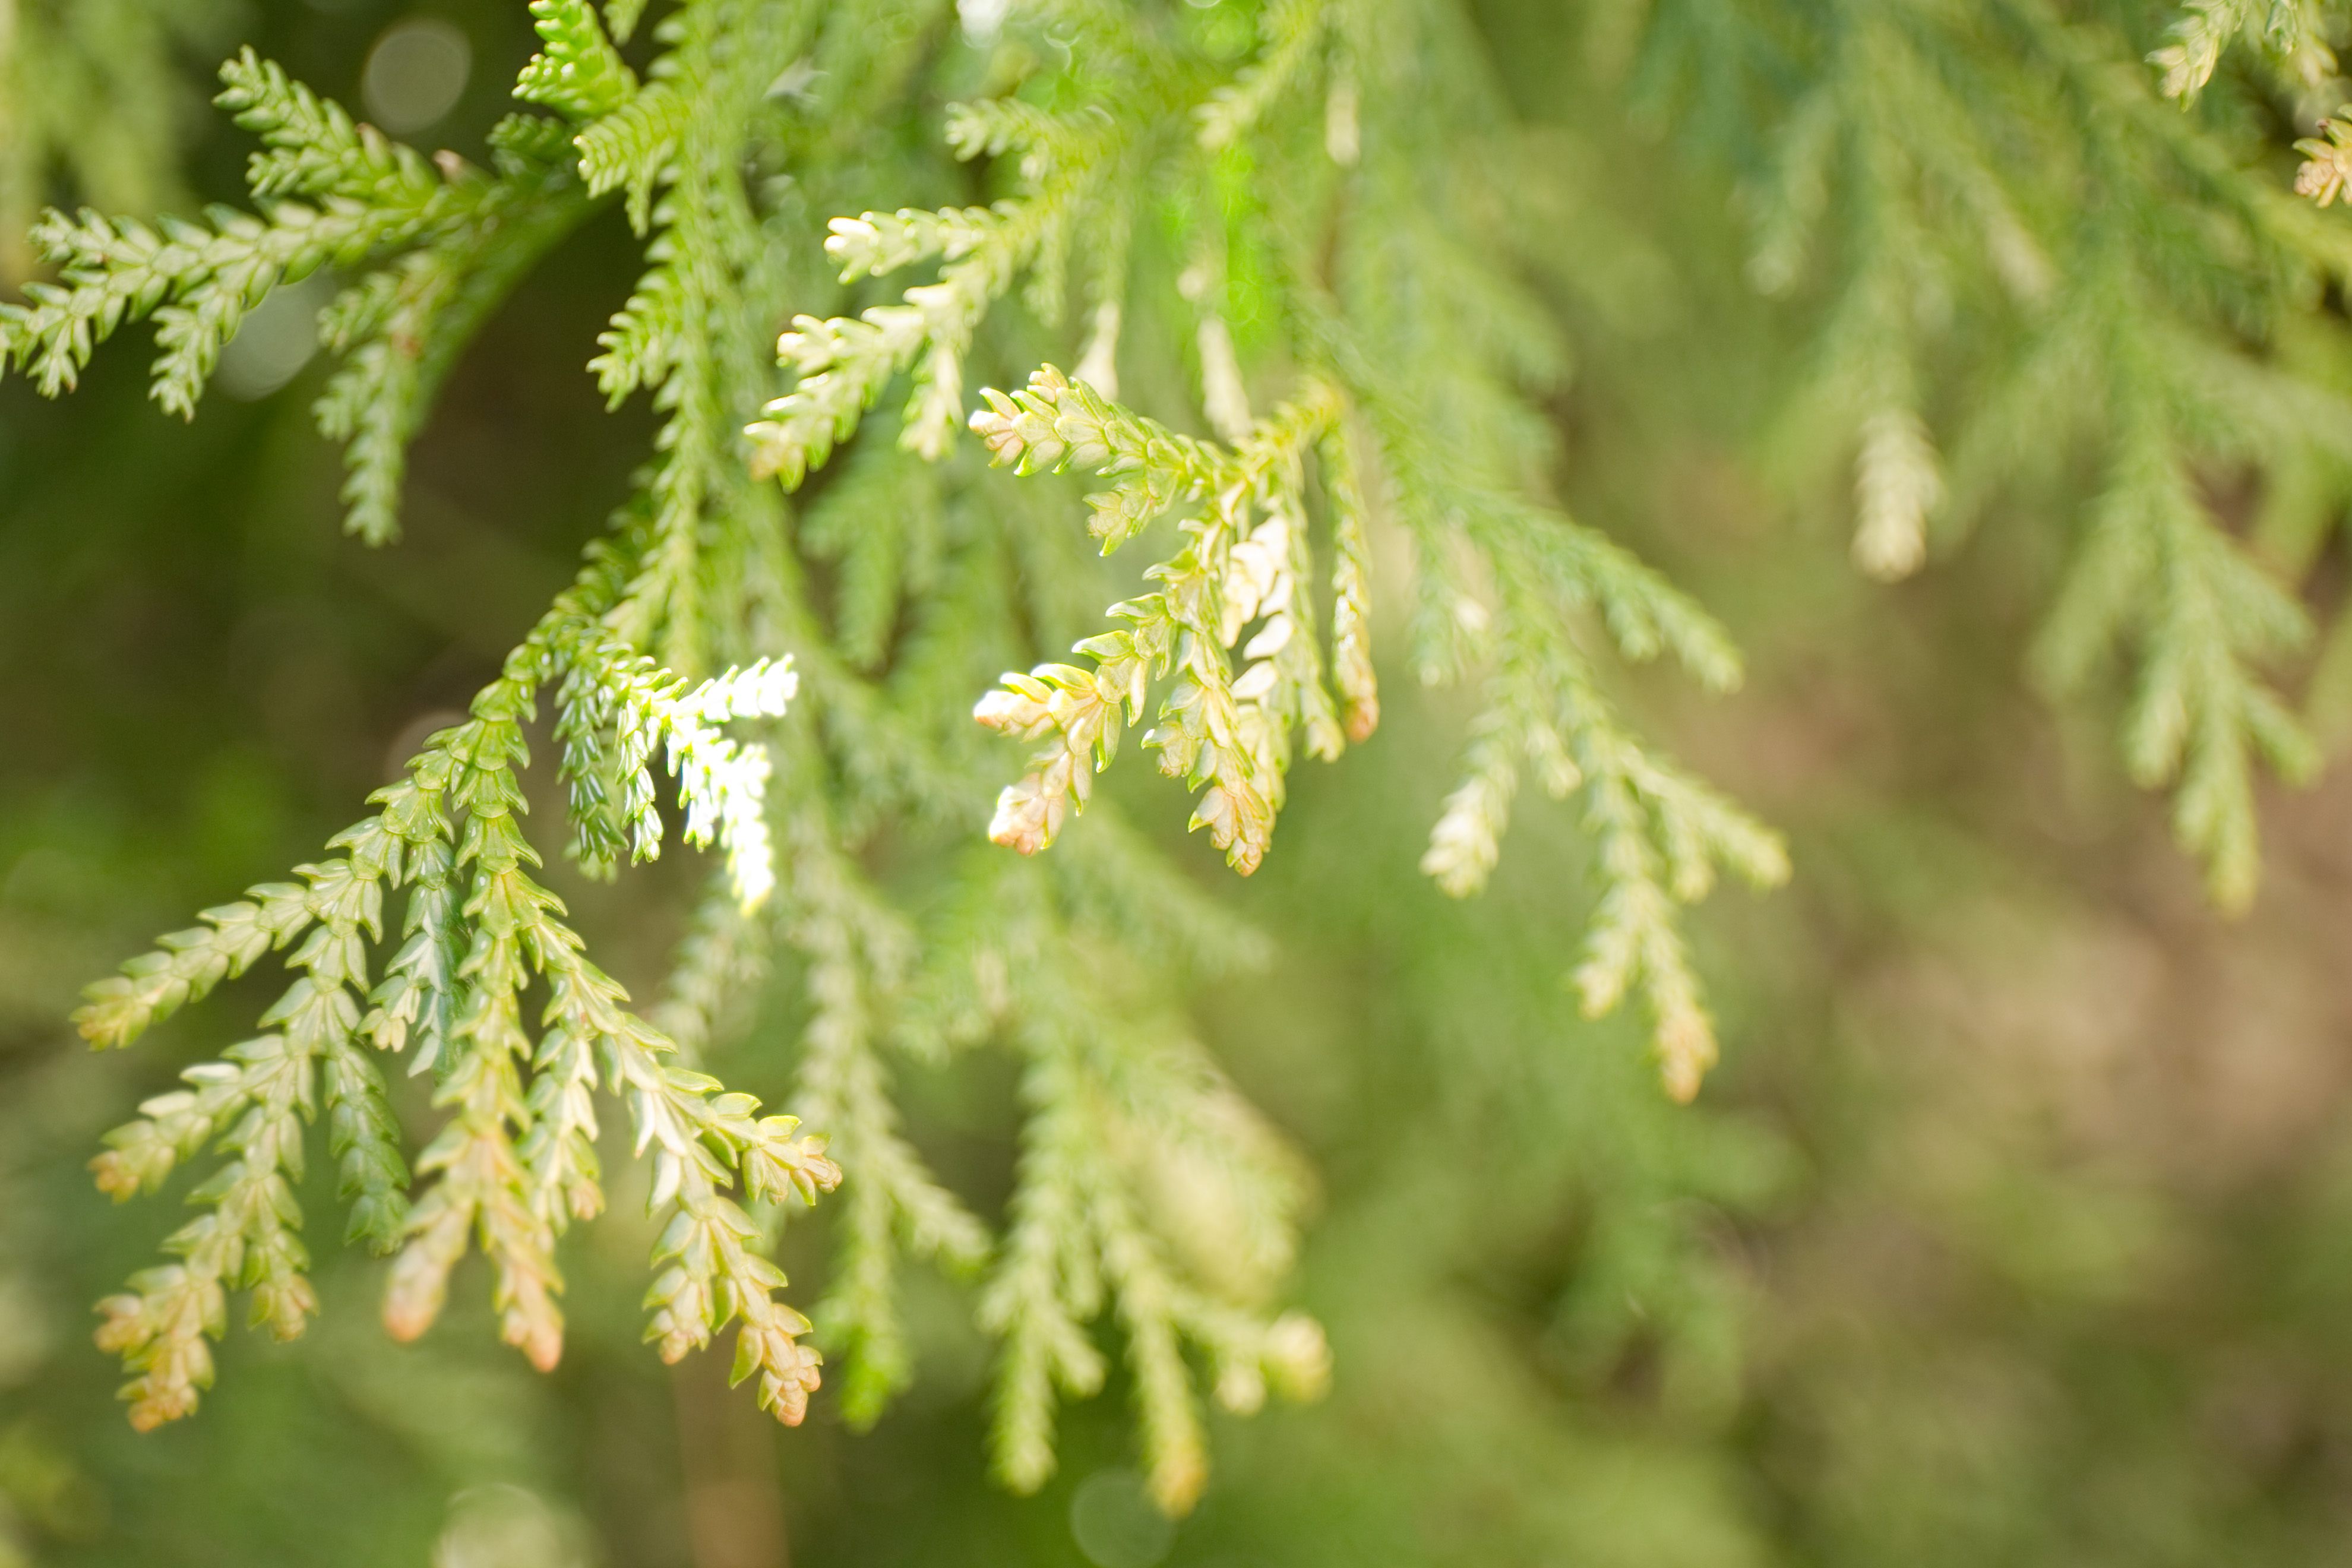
416	74
1115	1524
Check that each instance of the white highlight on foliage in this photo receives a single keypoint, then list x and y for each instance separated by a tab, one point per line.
723	783
1343	132
1895	486
505	1526
1256	582
1466	841
982	19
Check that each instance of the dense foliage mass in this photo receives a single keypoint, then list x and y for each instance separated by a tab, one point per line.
1400	337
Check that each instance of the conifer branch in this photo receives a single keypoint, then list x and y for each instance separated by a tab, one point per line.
2140	257
1229	734
704	1140
90	95
199	281
187	964
1083	1234
1147	1191
467	239
2327	161
160	1326
621	17
2155	569
1292	29
856	951
1351	611
402	328
1658	835
721	962
577	71
845	363
686	328
516	1161
2288	31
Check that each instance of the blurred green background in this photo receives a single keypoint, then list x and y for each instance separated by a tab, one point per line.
2016	1228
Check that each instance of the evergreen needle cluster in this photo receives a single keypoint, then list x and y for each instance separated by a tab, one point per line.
2020	251
1311	216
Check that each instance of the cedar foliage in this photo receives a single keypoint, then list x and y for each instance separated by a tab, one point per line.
2026	241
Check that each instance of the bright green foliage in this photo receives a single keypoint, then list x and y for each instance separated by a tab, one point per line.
515	1162
1229	733
1268	206
2079	264
2293	33
451	241
579	74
